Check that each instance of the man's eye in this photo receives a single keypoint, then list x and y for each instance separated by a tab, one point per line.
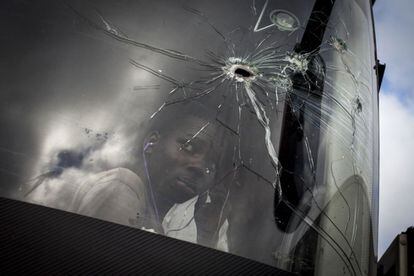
188	147
192	146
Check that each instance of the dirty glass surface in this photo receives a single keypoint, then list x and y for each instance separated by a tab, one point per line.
246	126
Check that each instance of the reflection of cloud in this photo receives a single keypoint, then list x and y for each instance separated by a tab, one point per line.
65	166
96	118
70	152
396	173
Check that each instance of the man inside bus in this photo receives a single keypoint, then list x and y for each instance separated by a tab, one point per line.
177	168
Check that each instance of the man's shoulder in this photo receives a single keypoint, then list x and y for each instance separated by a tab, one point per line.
119	177
123	175
110	182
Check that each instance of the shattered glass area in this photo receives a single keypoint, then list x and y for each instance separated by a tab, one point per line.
245	126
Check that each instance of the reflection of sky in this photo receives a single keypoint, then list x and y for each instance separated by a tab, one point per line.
394	23
51	64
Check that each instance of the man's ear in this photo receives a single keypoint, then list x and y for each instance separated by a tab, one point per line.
150	141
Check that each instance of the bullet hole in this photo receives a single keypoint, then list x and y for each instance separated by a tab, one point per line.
243	73
240	70
297	63
338	44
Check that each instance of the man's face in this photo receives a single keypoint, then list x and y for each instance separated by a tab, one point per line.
182	161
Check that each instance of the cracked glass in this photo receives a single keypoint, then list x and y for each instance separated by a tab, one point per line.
246	126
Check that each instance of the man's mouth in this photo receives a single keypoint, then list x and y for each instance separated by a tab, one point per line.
186	185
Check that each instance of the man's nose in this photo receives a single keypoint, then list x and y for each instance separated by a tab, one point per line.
196	166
